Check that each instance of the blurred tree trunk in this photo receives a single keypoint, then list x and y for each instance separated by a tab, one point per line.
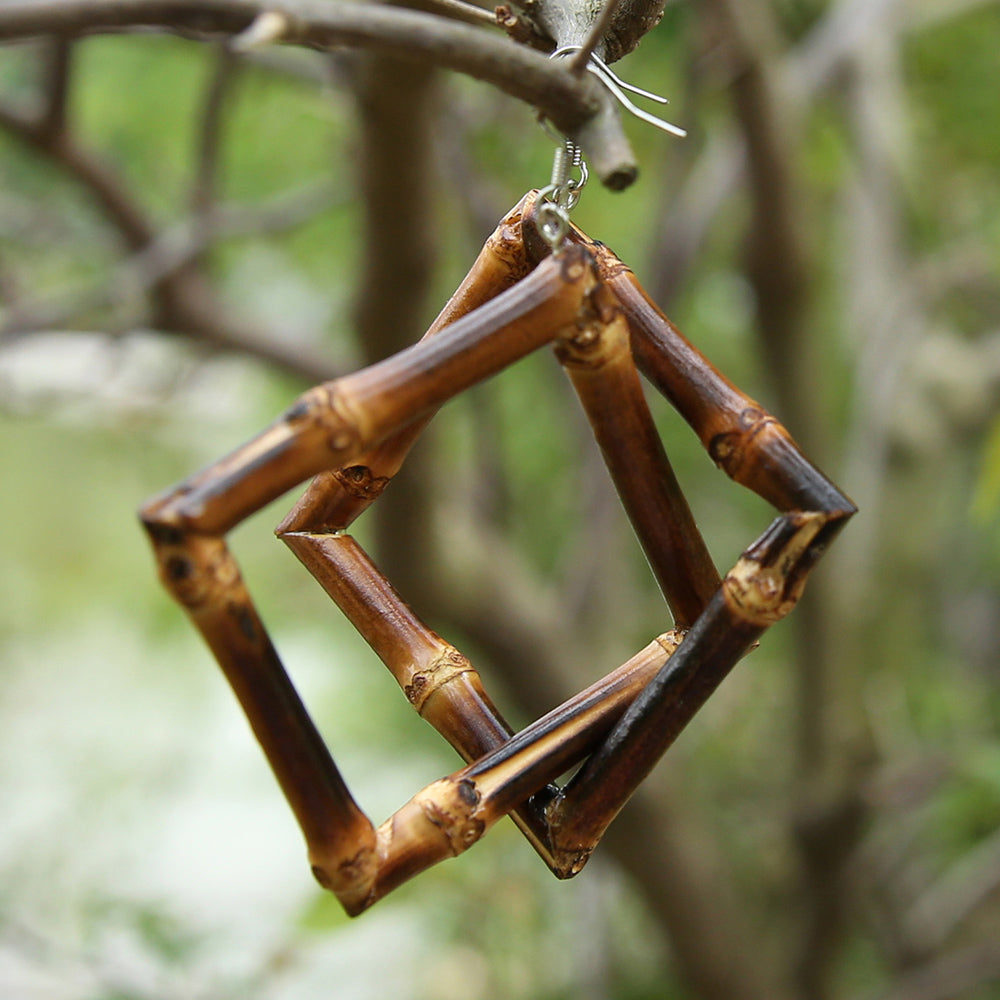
781	269
397	105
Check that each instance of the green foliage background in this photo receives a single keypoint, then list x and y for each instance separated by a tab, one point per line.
143	849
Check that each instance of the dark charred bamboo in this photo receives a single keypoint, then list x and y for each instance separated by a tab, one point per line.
437	679
417	380
742	438
327	427
598	360
557	741
762	588
755	450
450	815
202	575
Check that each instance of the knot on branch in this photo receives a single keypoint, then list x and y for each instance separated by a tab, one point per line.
551	24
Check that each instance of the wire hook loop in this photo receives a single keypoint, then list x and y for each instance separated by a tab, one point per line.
616	86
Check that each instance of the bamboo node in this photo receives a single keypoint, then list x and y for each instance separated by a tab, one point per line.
442	670
768	579
451	807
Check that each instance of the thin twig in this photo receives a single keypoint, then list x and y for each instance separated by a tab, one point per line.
203	193
459	10
57	84
184	302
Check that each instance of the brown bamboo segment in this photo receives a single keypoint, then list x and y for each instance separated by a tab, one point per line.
336	498
202	575
598	360
444	687
328	426
762	588
334	423
438	680
392	393
451	814
559	740
742	438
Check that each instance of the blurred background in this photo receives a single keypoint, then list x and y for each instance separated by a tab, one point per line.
189	239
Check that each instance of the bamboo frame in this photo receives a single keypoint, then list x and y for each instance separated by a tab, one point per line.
354	433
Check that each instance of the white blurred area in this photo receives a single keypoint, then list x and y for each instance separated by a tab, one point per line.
145	850
92	376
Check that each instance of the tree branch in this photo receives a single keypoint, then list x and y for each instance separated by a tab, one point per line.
205	181
184	302
610	33
577	105
59	64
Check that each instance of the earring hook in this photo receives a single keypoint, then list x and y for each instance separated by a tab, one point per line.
560	196
617	87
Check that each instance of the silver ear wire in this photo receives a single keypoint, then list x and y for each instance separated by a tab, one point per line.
607	71
617	87
559	197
